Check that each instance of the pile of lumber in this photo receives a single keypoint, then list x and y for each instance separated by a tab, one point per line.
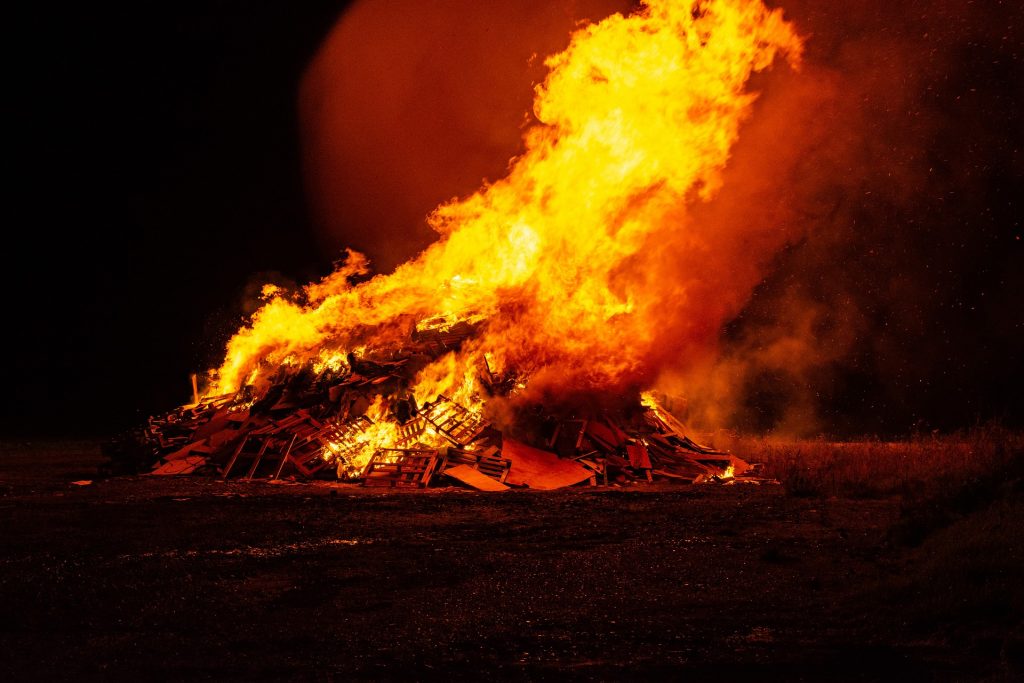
307	425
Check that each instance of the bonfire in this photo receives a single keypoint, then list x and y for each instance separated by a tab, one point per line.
523	348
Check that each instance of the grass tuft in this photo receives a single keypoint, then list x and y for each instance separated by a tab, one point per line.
954	467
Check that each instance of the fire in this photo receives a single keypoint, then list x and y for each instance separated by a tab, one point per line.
559	264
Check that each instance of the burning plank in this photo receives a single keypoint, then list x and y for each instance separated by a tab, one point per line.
407	434
343	441
309	444
457	424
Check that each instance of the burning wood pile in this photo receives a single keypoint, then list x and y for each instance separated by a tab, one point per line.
359	423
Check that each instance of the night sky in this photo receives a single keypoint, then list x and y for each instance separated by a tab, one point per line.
158	171
158	177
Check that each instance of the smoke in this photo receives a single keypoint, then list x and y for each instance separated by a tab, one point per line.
868	205
896	156
409	103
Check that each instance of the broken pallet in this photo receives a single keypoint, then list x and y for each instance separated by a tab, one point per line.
402	467
458	425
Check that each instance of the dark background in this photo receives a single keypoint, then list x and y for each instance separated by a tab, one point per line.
157	174
158	170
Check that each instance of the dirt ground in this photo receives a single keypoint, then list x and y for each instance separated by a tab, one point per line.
184	578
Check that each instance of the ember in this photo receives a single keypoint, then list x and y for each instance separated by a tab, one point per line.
518	345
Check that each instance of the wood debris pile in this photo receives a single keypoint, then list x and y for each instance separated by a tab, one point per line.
310	425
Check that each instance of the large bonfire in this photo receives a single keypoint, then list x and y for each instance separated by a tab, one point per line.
550	295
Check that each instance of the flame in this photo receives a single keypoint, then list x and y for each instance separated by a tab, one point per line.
381	432
636	120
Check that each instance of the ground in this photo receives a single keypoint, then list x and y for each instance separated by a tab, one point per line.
180	578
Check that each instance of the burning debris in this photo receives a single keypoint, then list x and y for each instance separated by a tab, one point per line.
365	426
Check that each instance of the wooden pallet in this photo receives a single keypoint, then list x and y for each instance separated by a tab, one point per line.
409	433
403	467
308	452
343	440
458	425
299	439
259	452
487	462
177	428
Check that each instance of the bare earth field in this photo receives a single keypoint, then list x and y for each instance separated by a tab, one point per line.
162	578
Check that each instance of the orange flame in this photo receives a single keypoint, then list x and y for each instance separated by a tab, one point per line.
636	121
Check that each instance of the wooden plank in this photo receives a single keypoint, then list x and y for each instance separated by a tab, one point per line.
234	458
595	464
185	451
638	456
259	457
284	458
186	465
474	478
603	435
540	469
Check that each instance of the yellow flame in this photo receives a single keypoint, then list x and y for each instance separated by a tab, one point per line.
329	360
636	118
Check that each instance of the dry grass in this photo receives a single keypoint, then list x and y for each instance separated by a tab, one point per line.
916	468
